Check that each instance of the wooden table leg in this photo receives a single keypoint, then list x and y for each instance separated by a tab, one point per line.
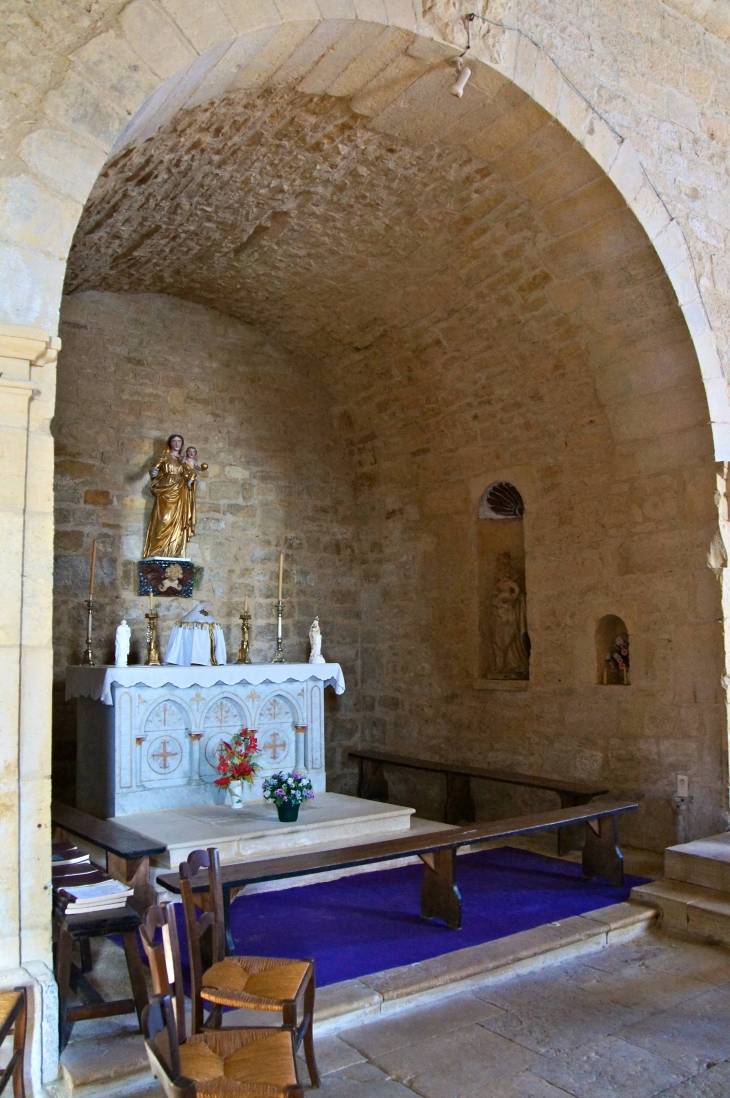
373	784
569	837
136	973
440	897
64	949
601	855
459	806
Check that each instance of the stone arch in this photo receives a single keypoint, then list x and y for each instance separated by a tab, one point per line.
155	56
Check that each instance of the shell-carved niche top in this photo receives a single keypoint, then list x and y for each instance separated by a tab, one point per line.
501	501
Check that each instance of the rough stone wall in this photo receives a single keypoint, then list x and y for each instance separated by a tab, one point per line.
136	368
475	318
659	73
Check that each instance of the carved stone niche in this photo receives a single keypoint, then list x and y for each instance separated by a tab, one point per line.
612	651
503	640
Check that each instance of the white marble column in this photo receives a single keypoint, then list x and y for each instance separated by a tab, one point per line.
300	746
27	393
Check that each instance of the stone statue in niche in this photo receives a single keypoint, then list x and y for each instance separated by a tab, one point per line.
510	639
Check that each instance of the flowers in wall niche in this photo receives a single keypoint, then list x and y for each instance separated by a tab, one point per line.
616	662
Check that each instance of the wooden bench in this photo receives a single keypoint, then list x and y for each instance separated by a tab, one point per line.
439	892
459	804
127	852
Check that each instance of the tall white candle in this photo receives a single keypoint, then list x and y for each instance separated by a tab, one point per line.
281	573
93	568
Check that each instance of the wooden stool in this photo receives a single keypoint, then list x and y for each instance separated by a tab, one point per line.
81	929
13	1017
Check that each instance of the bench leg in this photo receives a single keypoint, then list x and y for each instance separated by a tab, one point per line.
440	896
569	837
601	855
372	784
135	873
459	806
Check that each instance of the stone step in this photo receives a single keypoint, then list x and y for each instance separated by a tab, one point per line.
704	862
689	909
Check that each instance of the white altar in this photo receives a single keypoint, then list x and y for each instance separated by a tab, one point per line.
148	737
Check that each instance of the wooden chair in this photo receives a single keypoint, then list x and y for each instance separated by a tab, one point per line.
164	959
13	1019
273	984
259	1062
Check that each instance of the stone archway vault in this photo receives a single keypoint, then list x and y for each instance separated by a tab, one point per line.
121	86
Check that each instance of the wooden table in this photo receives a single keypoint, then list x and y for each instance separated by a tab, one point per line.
79	929
459	804
127	852
440	896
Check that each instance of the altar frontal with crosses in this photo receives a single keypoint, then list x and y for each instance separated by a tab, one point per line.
162	742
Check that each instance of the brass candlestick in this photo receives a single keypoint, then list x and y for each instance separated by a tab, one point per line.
153	656
243	653
87	659
279	654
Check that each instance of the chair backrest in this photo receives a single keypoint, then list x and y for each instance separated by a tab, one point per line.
207	929
164	958
163	1049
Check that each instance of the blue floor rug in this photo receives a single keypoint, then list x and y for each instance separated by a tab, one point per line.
364	924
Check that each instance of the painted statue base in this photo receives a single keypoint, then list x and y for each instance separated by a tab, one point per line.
166	577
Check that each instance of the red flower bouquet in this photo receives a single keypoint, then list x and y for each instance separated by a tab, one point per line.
236	760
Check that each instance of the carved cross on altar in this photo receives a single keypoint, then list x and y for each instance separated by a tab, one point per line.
273	745
164	755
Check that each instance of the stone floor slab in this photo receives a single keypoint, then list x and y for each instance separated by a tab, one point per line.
333	1054
467	1062
611	1068
361	1081
713	1083
690	1036
397	1031
566	1020
640	986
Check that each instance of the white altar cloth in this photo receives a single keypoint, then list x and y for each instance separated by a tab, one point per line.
97	682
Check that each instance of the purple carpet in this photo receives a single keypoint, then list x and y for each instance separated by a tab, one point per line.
370	922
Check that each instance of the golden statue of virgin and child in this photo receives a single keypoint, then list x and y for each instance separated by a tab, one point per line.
174	482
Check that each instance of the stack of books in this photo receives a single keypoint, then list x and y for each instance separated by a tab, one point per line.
86	887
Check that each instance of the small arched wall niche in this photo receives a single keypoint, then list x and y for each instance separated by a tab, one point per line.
504	644
612	651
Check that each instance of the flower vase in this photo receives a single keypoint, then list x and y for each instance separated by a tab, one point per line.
235	793
288	813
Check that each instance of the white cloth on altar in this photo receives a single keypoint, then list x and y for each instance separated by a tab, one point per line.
195	639
97	682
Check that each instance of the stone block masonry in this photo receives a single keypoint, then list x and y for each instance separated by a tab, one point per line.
137	367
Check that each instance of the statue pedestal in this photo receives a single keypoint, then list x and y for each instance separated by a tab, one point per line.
148	737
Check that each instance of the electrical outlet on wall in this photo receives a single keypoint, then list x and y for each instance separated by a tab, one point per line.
682	785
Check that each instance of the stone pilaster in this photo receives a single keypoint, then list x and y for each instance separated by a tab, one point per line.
27	393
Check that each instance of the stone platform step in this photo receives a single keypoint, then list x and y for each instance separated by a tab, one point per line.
689	909
704	862
255	831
